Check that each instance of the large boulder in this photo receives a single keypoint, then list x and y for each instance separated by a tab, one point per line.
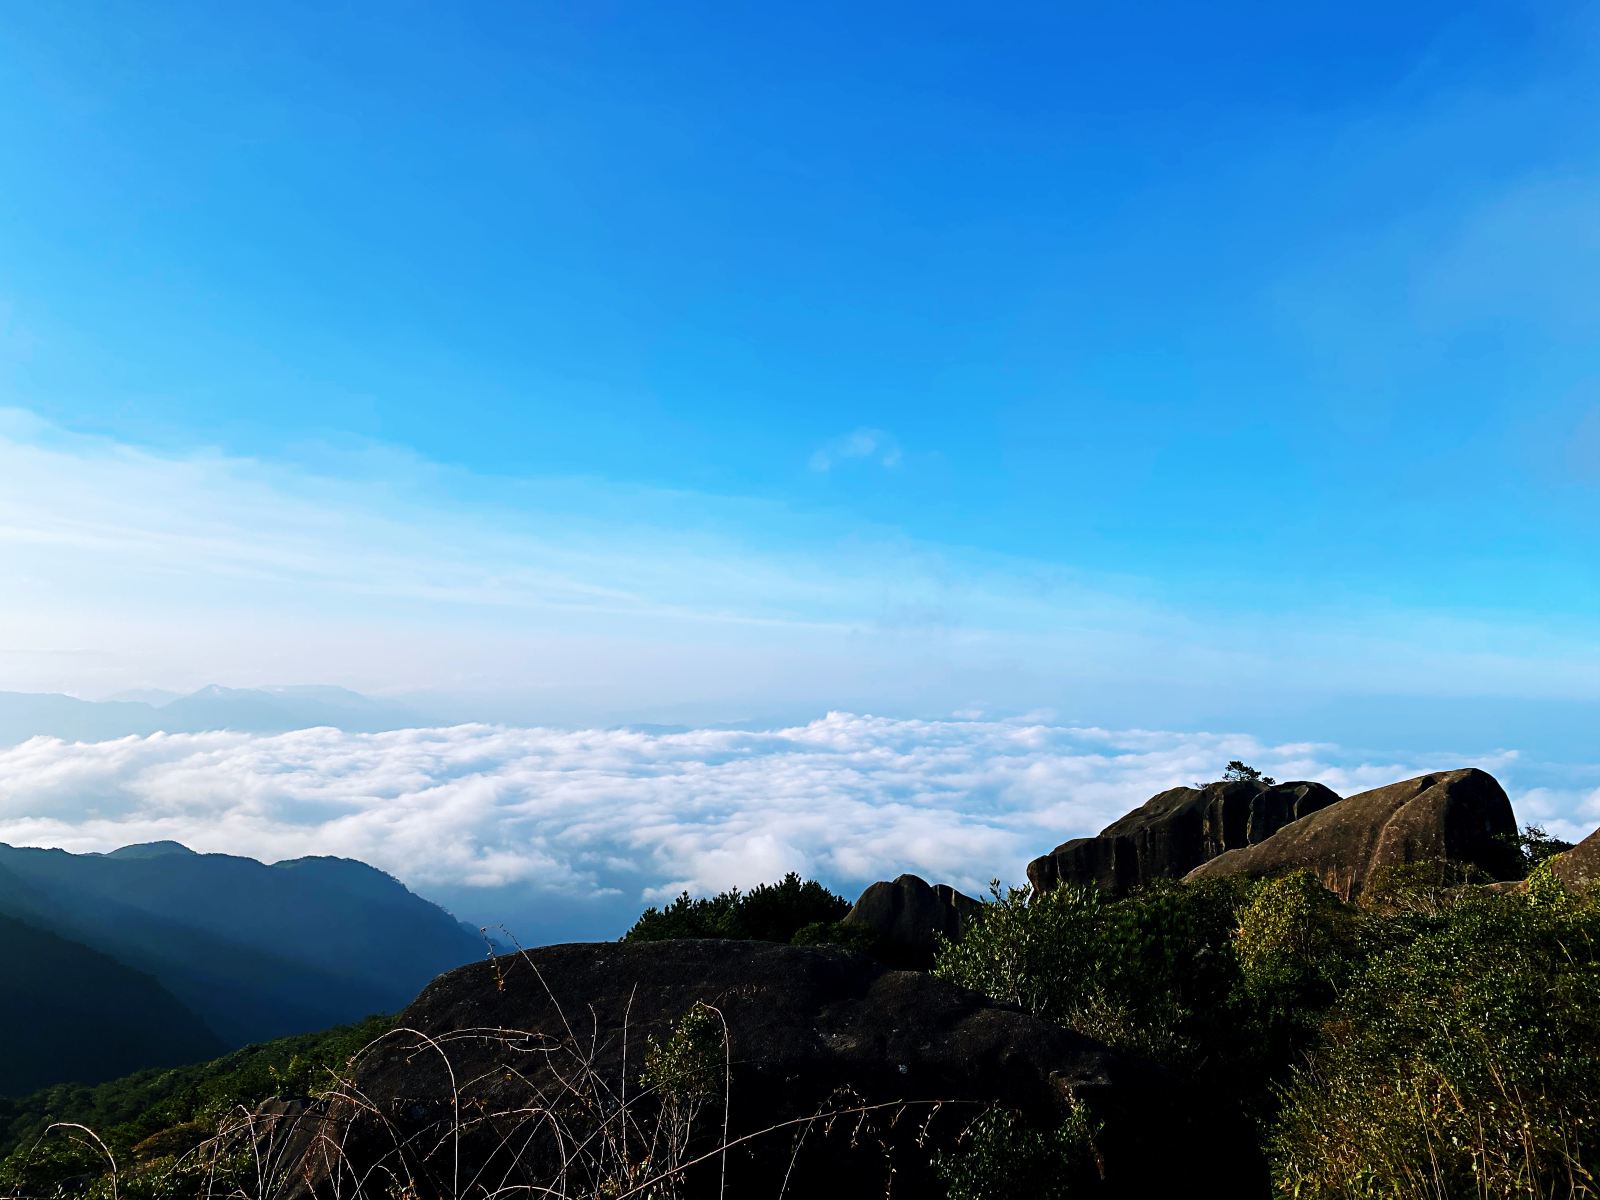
1176	831
1579	868
1461	817
835	1075
906	917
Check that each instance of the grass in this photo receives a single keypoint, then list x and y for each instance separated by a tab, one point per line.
565	1116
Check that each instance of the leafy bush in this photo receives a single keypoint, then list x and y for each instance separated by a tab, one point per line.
1439	1040
1154	973
1000	1156
149	1117
1172	977
1463	1059
1040	951
770	912
1424	888
685	1071
1536	846
836	933
688	1064
1294	941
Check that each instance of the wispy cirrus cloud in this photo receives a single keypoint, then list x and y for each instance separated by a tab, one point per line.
576	830
583	602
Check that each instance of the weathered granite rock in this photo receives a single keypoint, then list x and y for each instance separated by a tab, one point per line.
1176	831
1461	817
907	917
1579	868
506	1073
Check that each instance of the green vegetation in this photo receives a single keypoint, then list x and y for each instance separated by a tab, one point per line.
685	1071
158	1125
1535	845
689	1062
999	1155
149	1120
1240	772
1439	1040
1155	973
769	912
1462	1059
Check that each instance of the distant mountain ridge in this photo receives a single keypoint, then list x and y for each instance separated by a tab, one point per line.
24	715
255	951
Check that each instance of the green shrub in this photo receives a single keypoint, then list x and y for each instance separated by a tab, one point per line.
1463	1059
1294	941
770	912
836	933
1170	985
60	1164
153	1115
1154	973
1039	950
1423	888
1544	889
1536	846
687	1065
1000	1157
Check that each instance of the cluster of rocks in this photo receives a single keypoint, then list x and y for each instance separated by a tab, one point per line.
830	1074
1460	817
841	1072
1249	828
1174	832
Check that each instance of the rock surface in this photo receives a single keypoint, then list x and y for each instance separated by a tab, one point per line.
1579	868
907	916
1176	831
1454	816
809	1030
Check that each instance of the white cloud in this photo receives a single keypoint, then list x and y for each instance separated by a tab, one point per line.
1565	812
556	815
872	445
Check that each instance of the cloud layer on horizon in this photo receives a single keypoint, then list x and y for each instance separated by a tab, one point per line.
639	815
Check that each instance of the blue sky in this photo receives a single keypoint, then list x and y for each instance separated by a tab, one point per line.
1174	364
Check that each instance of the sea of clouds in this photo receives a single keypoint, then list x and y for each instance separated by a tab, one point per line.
568	833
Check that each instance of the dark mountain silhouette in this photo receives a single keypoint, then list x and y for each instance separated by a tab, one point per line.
257	951
73	1014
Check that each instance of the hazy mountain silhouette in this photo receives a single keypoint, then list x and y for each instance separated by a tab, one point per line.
249	710
256	951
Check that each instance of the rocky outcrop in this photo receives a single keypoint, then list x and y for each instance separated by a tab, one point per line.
1461	817
1176	831
820	1070
1579	868
907	916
